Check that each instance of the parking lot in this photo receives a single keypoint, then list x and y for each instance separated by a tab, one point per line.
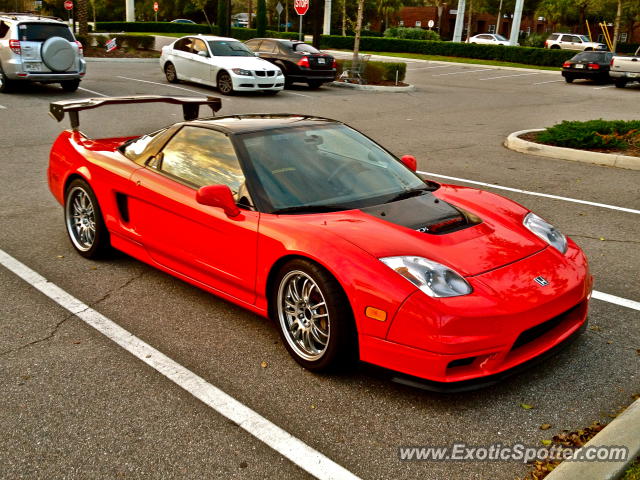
77	405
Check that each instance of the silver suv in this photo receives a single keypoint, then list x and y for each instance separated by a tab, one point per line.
38	49
572	41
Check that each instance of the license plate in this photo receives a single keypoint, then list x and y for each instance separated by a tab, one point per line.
322	61
633	75
33	67
579	66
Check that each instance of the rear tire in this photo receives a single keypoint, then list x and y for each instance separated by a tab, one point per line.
620	83
569	79
6	85
314	84
314	316
225	84
70	85
554	47
170	73
84	222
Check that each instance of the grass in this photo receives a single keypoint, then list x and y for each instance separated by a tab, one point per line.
474	61
633	472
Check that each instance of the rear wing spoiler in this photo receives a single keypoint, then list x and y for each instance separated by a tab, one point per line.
190	105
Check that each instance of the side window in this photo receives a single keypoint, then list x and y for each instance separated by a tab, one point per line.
254	45
182	45
199	46
553	37
201	156
4	29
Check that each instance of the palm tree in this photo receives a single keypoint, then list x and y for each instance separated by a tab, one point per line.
387	8
83	14
439	4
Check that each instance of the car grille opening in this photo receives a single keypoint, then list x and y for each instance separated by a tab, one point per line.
461	362
260	74
265	85
539	330
250	85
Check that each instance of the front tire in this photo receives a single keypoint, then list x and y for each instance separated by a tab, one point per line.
620	83
170	73
84	222
314	84
225	84
569	79
314	316
70	85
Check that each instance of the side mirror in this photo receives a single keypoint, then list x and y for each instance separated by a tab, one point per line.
218	196
410	162
202	53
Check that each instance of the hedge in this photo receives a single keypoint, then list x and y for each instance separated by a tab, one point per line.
524	55
126	41
593	134
376	72
186	28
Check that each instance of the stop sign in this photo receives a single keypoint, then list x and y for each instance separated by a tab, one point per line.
301	6
68	5
155	6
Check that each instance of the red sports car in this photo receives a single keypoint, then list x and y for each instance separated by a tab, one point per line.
350	251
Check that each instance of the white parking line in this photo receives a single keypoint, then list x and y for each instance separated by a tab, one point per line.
509	76
606	86
428	68
2	107
550	81
464	71
166	85
623	302
299	94
537	194
91	91
275	437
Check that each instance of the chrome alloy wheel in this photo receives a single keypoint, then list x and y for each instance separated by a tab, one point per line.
303	314
80	218
225	84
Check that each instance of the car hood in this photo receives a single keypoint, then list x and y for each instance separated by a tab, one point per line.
482	242
247	63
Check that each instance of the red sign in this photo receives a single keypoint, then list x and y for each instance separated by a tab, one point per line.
155	6
301	6
68	5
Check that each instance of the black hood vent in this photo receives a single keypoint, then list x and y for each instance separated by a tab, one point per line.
425	213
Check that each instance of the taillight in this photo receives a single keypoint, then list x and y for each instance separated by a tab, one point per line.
80	49
14	45
611	63
593	66
334	64
304	62
566	64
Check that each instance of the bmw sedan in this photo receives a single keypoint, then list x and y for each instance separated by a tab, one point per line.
220	62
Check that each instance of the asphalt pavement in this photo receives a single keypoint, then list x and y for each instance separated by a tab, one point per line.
75	405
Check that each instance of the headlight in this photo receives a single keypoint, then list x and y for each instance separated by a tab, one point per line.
432	278
240	71
546	232
280	74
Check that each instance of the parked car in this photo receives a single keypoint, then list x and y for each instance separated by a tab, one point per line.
625	69
298	61
572	41
593	65
346	247
489	39
220	62
38	49
183	20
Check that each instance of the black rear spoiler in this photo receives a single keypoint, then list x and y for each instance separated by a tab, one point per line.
190	105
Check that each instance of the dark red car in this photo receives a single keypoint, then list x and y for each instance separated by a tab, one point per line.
347	248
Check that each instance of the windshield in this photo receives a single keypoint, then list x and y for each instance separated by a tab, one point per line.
593	57
584	38
500	38
303	47
329	166
223	48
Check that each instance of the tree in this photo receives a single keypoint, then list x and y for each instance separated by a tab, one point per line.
82	16
439	4
356	41
201	4
223	18
616	26
261	18
387	8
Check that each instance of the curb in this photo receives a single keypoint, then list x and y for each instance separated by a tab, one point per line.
122	60
373	88
441	62
514	142
623	431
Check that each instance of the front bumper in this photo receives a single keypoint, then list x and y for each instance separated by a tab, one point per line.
250	83
492	330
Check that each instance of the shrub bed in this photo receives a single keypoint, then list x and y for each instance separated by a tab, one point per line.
525	55
593	135
377	72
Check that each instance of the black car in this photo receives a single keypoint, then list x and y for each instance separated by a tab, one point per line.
298	61
591	65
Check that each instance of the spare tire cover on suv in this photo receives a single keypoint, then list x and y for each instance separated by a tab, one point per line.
57	54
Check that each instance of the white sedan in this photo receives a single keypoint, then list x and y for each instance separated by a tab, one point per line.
220	62
489	39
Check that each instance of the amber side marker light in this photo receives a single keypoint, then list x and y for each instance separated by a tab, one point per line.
376	314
